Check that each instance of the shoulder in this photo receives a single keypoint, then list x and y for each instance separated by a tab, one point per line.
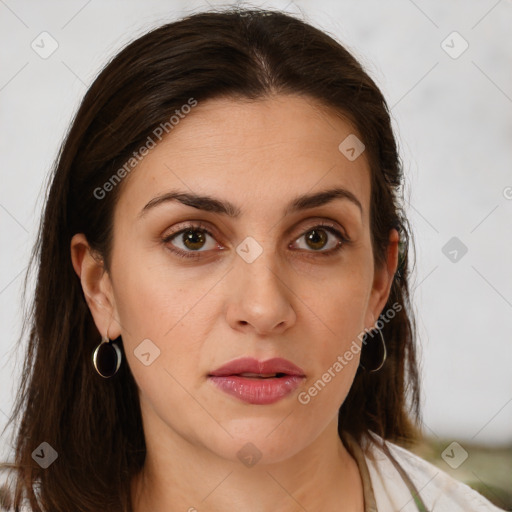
391	466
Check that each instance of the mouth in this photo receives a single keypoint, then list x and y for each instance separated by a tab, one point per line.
252	368
259	376
258	382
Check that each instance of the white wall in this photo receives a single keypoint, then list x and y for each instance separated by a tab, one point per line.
453	119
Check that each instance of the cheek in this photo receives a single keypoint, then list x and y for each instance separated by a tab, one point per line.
165	325
338	302
164	313
152	296
333	358
336	312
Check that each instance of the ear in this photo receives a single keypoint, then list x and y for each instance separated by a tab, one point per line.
97	286
382	281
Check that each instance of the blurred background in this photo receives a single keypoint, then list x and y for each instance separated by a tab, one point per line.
446	71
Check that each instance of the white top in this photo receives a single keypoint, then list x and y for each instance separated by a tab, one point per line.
386	489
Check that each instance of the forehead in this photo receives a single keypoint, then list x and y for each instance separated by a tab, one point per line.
258	154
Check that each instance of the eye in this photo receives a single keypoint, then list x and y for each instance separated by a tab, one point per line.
192	239
320	237
189	242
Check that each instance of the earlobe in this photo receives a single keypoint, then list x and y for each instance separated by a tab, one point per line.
383	278
96	286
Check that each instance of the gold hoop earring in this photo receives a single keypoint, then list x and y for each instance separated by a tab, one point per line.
106	358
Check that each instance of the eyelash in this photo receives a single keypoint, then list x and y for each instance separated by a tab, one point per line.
200	227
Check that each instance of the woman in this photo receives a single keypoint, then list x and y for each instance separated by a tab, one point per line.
222	315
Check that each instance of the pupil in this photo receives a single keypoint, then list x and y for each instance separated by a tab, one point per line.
193	239
316	237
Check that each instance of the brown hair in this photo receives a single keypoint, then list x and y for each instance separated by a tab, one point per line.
93	424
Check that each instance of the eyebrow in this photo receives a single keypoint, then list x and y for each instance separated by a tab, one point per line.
211	204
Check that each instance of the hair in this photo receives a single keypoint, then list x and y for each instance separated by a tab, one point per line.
95	425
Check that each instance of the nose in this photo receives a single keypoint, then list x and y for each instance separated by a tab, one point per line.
260	299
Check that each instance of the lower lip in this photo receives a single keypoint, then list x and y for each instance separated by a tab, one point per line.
257	391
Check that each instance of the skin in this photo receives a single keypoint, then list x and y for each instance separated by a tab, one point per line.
290	302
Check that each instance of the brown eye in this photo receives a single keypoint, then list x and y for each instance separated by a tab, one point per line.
193	239
316	238
324	239
190	240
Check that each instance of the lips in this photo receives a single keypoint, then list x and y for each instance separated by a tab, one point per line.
252	368
258	382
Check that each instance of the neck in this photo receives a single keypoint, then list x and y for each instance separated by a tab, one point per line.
179	475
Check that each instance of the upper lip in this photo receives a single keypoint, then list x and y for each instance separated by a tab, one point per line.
251	365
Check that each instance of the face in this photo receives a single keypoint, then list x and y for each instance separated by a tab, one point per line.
257	273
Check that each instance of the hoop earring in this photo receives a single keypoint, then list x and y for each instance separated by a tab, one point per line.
368	366
106	358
